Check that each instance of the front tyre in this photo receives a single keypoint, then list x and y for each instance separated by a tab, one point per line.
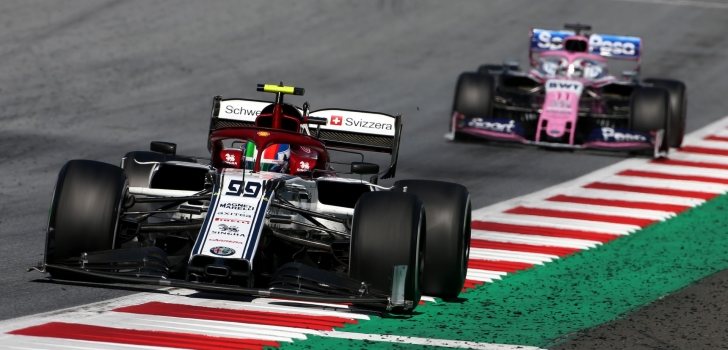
447	251
473	98
388	229
85	210
649	110
678	103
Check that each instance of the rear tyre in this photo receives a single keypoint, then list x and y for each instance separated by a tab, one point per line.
85	210
388	229
650	111
473	97
447	250
677	106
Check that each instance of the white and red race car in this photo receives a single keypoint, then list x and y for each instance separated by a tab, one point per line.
267	214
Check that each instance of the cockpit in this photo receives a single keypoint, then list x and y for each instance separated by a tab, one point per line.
553	66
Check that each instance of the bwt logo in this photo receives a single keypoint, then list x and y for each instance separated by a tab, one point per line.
336	120
564	85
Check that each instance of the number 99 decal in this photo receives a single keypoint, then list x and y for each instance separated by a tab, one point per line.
247	189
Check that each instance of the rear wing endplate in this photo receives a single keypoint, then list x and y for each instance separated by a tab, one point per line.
360	130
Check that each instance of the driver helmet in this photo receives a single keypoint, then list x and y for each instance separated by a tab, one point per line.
274	158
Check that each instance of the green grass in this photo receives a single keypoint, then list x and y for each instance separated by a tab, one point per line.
546	303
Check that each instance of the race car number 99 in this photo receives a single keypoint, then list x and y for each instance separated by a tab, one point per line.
236	188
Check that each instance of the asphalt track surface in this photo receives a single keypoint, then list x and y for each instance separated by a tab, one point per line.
94	79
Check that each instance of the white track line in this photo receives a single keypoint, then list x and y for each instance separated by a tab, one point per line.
493	273
666	184
90	311
534	239
12	342
686	170
197	326
721	132
475	275
303	304
227	304
427	341
721	145
600	209
633	196
698	157
509	255
559	223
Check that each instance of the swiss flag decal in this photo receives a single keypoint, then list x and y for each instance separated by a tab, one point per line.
336	120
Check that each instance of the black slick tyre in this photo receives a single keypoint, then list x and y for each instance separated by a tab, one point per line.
650	112
85	210
677	93
388	229
473	98
474	95
448	210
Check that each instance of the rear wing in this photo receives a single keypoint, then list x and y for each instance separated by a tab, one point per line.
342	128
605	45
360	130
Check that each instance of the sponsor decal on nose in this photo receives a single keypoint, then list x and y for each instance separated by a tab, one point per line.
222	251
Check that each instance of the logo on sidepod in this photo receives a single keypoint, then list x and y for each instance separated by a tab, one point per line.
493	125
610	134
222	251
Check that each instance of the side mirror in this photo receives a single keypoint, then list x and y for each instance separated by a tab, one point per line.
163	147
363	168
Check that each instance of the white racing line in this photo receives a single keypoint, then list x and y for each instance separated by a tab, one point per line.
509	236
444	343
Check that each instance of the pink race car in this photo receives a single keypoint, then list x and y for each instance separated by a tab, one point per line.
569	99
